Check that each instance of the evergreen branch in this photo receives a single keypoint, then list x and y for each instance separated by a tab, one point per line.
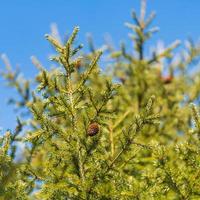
196	118
165	53
77	49
134	16
73	36
112	147
55	43
121	119
150	19
87	73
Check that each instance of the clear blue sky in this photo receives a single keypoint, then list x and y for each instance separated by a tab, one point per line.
24	23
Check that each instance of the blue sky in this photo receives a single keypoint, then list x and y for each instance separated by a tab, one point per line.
24	23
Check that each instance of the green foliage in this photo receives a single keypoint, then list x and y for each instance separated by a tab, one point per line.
146	135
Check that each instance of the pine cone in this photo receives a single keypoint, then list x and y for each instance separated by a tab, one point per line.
78	64
122	79
167	79
93	129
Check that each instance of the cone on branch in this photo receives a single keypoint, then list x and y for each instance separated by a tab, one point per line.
122	80
93	129
167	79
78	64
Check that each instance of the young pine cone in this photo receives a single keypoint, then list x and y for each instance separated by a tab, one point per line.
93	129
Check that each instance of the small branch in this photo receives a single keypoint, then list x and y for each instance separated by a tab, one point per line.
111	140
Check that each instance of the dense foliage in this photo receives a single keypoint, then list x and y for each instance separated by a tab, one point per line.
130	133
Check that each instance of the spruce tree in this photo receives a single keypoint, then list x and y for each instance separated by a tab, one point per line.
132	133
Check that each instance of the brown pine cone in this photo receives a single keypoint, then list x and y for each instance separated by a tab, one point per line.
78	64
122	79
167	79
93	129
